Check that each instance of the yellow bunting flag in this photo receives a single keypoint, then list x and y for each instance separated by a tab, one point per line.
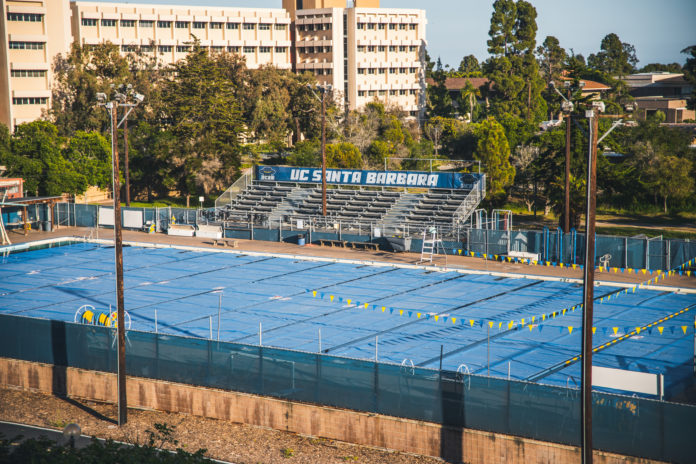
594	329
500	325
471	321
436	317
418	315
615	329
533	317
660	329
644	271
564	311
454	320
560	264
490	324
522	321
348	300
570	329
684	329
543	317
534	261
601	268
401	312
531	326
366	305
510	324
331	297
574	266
485	256
314	293
601	300
637	330
384	308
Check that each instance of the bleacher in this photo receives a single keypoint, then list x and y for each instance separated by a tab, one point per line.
268	202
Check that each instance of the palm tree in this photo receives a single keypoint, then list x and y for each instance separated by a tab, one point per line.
470	93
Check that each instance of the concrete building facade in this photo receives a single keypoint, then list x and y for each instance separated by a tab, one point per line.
365	52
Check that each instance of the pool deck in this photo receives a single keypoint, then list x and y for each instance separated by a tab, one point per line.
671	283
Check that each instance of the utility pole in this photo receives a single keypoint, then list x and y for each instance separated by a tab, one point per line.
323	151
125	161
112	106
566	218
118	240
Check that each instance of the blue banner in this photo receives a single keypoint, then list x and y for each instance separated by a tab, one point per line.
418	179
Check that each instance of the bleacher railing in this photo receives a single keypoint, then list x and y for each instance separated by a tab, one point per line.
626	425
235	189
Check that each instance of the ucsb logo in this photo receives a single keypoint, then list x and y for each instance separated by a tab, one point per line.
267	173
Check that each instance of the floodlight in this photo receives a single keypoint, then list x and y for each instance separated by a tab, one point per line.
101	97
139	97
567	106
567	84
599	106
120	96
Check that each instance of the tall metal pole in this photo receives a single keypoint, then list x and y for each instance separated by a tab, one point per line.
566	219
125	160
323	152
588	290
118	239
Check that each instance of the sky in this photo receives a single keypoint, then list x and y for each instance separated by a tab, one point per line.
659	29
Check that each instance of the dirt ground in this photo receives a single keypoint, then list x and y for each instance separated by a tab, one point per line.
226	441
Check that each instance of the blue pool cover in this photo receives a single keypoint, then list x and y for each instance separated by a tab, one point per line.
397	314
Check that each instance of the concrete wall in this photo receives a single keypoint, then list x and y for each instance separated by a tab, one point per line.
452	444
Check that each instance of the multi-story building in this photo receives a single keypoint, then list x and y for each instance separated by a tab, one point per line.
365	52
32	32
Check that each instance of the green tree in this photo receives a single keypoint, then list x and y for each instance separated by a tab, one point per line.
90	155
493	151
37	157
615	57
660	67
512	65
690	71
306	153
470	95
343	155
438	97
203	113
470	67
673	178
551	58
78	77
151	154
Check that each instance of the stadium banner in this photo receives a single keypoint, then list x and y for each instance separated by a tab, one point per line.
418	179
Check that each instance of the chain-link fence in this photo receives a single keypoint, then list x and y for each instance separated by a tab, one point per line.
625	425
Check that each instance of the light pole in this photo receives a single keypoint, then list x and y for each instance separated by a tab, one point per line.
323	89
567	107
112	107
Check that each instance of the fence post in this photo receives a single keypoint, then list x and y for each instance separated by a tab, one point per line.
668	264
468	240
625	252
647	253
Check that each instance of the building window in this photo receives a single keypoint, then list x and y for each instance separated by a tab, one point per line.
382	70
402	27
413	113
372	93
146	48
392	70
264	49
402	48
281	49
402	70
281	27
371	48
164	48
381	48
402	92
318	72
232	26
128	48
183	48
361	48
233	49
264	27
28	17
371	70
413	27
146	23
217	48
216	25
181	24
392	27
127	23
27	45
28	73
361	93
108	22
249	49
164	24
329	71
382	93
393	93
381	26
413	70
89	22
361	70
198	25
371	26
361	26
392	48
30	100
413	92
249	26
413	48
